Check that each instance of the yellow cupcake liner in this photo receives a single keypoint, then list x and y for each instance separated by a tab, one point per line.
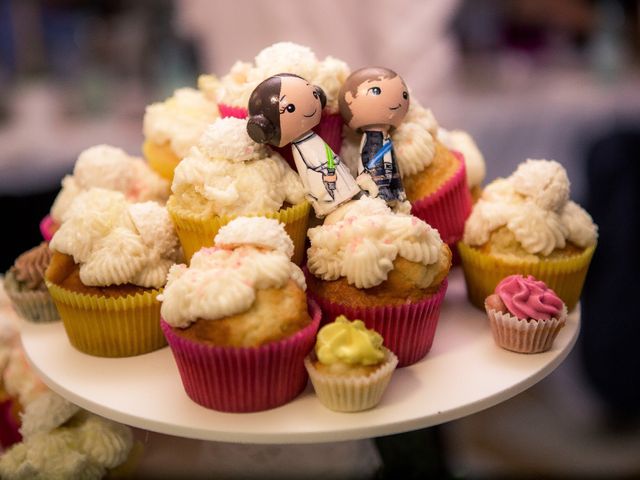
161	158
195	233
482	272
110	327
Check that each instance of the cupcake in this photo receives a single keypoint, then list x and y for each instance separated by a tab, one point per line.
172	127
229	175
237	319
286	57
110	261
434	179
525	315
461	144
25	286
526	224
388	269
104	166
349	368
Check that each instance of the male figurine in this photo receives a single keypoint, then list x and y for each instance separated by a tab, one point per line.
373	101
283	109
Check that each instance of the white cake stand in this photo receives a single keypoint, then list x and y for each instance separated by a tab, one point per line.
465	372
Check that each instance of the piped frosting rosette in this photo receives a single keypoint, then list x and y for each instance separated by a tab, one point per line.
526	224
525	315
229	175
329	74
121	243
360	242
249	254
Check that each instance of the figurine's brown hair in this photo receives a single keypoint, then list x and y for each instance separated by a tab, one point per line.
263	124
356	79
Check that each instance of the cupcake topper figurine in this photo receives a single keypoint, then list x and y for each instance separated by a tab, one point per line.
283	109
374	100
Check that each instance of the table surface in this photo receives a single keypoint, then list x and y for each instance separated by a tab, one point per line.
465	372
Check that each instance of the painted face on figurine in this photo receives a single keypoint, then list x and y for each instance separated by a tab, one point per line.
373	98
284	108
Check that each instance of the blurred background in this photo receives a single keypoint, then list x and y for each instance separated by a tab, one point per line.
527	78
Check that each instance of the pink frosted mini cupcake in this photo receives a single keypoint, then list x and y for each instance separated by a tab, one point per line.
525	315
237	319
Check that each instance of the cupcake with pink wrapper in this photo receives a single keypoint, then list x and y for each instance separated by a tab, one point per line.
525	315
237	319
385	268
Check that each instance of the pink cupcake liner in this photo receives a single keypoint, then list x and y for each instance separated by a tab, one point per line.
231	111
9	429
408	330
47	228
244	379
448	207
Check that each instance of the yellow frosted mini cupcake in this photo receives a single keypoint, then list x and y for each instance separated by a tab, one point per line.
526	224
229	175
110	261
388	269
349	368
172	127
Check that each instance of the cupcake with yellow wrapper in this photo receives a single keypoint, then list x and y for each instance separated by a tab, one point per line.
349	367
229	175
526	224
172	127
110	261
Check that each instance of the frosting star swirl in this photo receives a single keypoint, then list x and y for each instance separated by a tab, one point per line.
29	267
529	298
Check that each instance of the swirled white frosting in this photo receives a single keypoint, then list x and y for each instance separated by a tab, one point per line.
106	443
104	166
229	174
361	240
329	74
47	412
19	380
180	120
120	242
462	142
223	281
533	203
256	231
414	140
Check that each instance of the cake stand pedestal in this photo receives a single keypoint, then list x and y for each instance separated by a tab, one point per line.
465	372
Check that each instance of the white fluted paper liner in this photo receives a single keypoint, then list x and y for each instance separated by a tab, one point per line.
352	393
35	306
522	336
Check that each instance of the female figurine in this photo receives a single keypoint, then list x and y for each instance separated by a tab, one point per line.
374	100
283	109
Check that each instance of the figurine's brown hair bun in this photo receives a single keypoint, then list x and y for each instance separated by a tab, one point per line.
261	130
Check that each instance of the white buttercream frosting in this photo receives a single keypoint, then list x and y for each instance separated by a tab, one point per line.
120	242
230	174
104	166
19	379
223	280
105	442
257	231
180	120
284	57
462	142
361	240
414	140
533	203
47	412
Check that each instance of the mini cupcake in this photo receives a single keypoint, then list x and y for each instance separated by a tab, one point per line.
25	286
349	369
525	315
104	166
237	319
172	127
229	175
434	178
110	261
286	57
388	269
526	224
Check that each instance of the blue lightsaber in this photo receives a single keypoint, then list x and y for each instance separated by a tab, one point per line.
381	153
